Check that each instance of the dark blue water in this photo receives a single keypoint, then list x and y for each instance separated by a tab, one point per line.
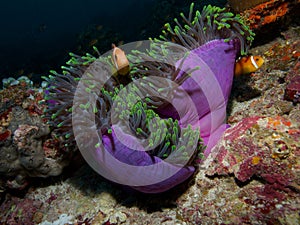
37	35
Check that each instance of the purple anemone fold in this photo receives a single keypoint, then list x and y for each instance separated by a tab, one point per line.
209	88
141	160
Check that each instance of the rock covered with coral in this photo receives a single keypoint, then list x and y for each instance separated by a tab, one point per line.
264	14
262	153
271	156
27	147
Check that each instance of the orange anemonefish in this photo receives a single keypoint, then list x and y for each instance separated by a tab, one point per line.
120	60
247	64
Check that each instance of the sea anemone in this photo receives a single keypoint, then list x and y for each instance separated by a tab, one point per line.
211	24
142	129
59	96
213	38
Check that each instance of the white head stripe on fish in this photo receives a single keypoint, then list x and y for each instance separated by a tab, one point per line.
114	55
253	62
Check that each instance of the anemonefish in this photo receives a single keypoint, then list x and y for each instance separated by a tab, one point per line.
247	64
120	60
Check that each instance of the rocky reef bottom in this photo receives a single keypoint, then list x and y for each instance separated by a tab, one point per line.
251	177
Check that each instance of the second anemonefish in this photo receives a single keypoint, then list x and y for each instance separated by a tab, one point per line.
247	64
120	60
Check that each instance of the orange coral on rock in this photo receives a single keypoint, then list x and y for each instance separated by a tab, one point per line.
240	5
268	12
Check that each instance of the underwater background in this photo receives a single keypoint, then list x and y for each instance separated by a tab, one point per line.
37	36
248	174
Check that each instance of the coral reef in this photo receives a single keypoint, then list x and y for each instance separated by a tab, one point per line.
292	91
25	140
253	178
269	12
20	212
271	158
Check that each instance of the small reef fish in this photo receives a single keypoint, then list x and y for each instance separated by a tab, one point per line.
120	60
247	64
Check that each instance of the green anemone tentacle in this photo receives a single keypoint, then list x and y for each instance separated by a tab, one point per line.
209	24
